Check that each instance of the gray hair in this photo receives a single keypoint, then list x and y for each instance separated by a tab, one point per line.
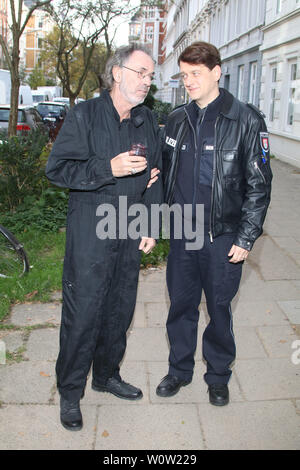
119	58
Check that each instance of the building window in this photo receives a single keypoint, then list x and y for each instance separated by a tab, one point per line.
227	82
149	33
240	91
149	12
273	93
278	6
291	93
252	82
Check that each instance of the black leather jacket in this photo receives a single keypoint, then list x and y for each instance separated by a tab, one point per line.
242	175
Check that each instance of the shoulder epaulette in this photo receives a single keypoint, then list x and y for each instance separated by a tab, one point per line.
256	110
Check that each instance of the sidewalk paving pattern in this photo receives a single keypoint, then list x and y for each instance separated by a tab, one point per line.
264	411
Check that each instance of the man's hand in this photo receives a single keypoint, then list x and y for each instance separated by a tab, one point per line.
153	177
147	245
124	163
237	254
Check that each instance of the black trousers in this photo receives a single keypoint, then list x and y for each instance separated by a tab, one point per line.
188	274
100	279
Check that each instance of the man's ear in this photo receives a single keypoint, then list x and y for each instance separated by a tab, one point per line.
217	72
116	71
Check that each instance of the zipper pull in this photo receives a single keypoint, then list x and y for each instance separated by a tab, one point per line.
211	237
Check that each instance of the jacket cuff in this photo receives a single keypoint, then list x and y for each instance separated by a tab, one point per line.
245	244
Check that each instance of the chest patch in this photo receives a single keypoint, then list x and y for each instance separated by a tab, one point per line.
170	141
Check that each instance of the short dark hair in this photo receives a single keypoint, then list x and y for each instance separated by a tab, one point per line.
201	52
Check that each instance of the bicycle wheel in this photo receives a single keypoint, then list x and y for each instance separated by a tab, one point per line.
13	258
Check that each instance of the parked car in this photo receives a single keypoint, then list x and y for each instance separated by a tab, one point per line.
28	119
62	99
53	114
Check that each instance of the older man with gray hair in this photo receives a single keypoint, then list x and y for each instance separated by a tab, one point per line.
92	157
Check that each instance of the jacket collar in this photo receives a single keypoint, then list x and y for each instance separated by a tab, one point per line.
229	106
210	112
136	114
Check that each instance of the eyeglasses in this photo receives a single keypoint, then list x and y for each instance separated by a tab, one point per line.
142	75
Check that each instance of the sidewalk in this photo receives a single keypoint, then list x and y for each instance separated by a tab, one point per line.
264	411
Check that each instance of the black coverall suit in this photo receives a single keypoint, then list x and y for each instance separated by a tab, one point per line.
100	276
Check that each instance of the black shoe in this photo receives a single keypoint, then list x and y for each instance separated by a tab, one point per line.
119	388
70	415
170	385
218	394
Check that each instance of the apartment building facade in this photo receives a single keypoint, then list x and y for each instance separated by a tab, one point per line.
280	80
148	26
38	26
234	26
259	42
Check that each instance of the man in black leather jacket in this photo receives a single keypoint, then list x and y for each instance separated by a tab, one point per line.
216	154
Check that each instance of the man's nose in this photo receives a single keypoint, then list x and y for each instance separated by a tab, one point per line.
187	80
147	79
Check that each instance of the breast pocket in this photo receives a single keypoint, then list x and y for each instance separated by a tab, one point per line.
231	162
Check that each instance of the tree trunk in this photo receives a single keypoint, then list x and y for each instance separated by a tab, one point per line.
14	94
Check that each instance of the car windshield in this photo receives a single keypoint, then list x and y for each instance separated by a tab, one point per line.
37	98
45	109
4	115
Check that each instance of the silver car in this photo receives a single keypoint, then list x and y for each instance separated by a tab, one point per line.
28	119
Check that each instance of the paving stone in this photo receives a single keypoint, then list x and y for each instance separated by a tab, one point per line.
43	344
261	425
148	427
268	379
248	344
57	295
272	262
255	313
156	314
152	292
277	340
13	340
290	244
27	382
268	290
25	427
139	317
36	313
292	310
146	344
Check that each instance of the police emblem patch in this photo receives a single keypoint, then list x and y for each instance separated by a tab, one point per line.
264	141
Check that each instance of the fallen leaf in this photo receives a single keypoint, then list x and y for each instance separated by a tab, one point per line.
31	294
43	374
105	433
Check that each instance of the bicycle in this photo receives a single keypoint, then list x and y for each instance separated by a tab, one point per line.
13	257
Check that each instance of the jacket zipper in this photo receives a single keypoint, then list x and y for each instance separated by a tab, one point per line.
259	171
213	181
195	159
174	154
